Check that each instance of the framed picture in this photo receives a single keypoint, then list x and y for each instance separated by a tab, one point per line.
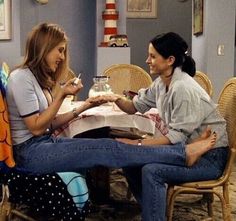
197	17
5	19
141	8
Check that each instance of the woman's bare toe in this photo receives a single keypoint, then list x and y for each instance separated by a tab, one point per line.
195	150
206	133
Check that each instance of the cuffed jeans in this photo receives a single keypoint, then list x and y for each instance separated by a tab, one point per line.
165	164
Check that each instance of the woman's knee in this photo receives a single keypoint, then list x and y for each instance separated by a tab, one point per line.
153	168
149	168
152	172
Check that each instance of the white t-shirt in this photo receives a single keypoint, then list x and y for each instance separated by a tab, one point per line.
24	98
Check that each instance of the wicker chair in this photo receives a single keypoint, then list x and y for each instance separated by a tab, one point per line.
127	77
204	82
8	210
227	107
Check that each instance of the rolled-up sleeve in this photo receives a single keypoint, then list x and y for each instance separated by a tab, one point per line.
146	98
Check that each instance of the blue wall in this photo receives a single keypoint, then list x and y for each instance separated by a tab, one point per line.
218	29
82	23
172	15
78	19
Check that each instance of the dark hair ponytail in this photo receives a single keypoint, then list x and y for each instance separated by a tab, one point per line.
189	66
171	44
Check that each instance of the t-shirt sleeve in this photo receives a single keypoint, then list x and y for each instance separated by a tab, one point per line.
24	94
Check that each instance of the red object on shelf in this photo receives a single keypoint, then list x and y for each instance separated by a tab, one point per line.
110	17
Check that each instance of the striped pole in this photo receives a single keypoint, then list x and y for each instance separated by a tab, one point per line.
110	17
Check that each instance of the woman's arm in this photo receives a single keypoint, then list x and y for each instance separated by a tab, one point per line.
126	105
39	123
64	118
123	103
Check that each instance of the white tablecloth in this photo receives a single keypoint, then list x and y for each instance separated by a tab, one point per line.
111	116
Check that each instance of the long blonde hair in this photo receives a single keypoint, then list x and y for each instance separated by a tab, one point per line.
41	40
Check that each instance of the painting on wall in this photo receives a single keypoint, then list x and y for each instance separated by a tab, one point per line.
5	19
197	17
141	8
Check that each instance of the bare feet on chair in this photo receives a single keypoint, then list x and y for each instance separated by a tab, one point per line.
206	133
195	150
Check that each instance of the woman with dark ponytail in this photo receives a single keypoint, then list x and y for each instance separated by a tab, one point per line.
171	44
187	111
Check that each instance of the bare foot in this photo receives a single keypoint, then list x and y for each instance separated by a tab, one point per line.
206	133
195	150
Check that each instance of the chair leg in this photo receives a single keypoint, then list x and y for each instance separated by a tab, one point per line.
227	214
224	206
209	198
170	191
170	203
5	206
6	210
21	215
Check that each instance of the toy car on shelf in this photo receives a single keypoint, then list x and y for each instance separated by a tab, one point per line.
118	41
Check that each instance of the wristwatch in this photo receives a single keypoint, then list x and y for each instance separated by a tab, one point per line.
74	112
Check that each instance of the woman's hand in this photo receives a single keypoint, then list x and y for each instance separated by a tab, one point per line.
70	88
102	99
87	104
123	103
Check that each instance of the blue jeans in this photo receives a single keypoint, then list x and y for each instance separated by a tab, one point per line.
148	183
48	154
